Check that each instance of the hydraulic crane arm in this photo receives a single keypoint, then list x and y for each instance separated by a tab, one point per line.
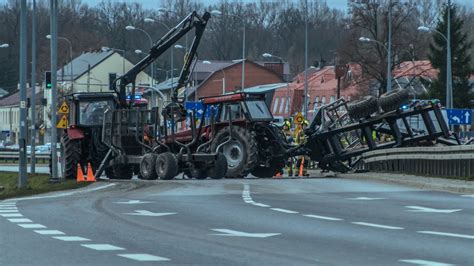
191	21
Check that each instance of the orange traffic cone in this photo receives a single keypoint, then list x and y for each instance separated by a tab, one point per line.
301	167
90	175
278	175
80	174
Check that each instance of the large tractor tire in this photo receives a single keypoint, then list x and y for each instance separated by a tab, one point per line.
393	99
147	166
71	156
219	170
276	166
166	166
121	171
241	152
362	108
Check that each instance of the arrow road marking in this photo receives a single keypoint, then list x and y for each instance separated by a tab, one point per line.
365	198
149	213
228	232
425	262
132	202
425	209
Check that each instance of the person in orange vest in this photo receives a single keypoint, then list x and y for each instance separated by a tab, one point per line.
303	160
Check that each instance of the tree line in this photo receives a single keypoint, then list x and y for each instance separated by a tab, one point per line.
275	27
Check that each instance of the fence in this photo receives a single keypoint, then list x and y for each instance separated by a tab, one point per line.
14	156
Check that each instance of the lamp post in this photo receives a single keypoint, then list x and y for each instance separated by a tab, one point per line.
389	67
219	13
70	54
106	49
449	78
131	28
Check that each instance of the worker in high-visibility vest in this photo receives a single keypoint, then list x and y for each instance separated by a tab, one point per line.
290	162
303	160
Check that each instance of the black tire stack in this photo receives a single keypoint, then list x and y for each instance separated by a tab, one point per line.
393	99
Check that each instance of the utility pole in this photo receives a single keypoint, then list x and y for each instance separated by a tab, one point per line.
389	48
33	87
54	104
305	96
22	178
449	78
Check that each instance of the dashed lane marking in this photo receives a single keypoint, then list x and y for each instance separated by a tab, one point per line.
71	238
49	232
32	226
322	217
8	208
143	257
9	211
6	215
446	234
365	198
379	226
425	262
283	210
102	247
132	202
426	209
468	196
261	205
19	220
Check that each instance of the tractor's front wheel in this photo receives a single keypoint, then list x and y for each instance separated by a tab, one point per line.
71	156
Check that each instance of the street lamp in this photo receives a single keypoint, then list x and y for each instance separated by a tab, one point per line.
106	49
219	13
389	67
132	28
4	45
70	54
449	78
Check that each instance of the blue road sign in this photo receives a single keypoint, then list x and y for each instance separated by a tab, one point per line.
459	116
198	108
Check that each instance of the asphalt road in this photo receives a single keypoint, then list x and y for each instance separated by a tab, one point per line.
320	221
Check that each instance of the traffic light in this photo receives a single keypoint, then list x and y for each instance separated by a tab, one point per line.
112	77
47	78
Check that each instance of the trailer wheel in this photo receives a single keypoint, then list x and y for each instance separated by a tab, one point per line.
166	166
147	166
276	166
393	99
219	169
362	108
122	171
241	152
71	157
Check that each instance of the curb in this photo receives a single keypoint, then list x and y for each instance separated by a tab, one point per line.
427	183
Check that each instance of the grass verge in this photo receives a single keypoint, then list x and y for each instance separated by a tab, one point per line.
37	183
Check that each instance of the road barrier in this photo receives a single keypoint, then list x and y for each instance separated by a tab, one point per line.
14	156
450	161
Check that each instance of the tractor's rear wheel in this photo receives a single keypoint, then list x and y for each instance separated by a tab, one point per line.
71	156
241	152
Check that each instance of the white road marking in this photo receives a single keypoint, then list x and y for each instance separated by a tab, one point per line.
322	217
468	196
365	198
425	262
8	208
85	190
425	209
19	220
8	204
11	215
132	202
249	201
143	257
446	234
49	232
71	238
261	205
7	211
149	213
228	232
102	247
379	226
283	210
32	226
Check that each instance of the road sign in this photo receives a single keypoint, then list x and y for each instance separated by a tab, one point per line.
62	122
198	108
459	116
64	109
299	118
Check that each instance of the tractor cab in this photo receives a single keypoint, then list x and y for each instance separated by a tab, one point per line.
87	109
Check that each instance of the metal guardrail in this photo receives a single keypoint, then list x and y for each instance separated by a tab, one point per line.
450	161
14	156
